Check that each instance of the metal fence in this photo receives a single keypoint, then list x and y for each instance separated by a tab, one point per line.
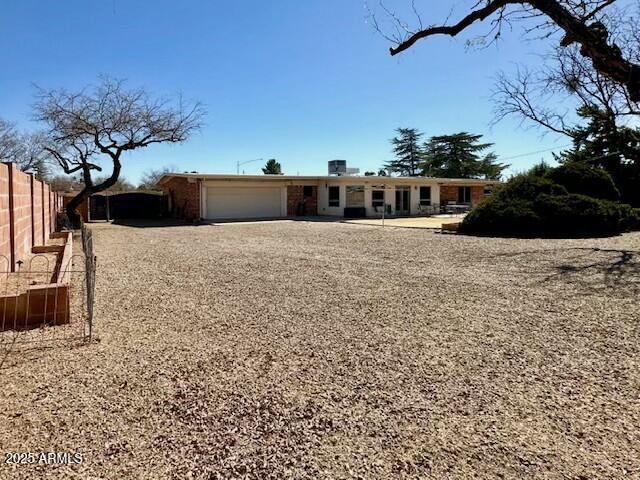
36	310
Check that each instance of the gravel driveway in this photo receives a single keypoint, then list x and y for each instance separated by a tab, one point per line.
328	350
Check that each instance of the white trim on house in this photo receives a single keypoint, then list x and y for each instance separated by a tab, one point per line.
311	179
248	209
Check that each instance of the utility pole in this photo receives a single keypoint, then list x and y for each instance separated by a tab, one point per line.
238	163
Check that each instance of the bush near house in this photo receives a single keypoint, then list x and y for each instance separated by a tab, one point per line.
579	177
552	202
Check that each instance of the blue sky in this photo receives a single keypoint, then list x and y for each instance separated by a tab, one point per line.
304	81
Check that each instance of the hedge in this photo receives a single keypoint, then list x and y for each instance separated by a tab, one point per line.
579	177
529	205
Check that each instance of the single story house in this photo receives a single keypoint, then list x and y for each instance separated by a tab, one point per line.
197	196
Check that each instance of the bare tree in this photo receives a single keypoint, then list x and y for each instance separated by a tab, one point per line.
570	80
581	23
26	150
104	122
121	185
9	141
33	157
64	183
151	177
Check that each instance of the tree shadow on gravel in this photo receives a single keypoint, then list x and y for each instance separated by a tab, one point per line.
590	269
15	350
174	222
151	222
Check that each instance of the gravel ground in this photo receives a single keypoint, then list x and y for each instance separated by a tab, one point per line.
327	350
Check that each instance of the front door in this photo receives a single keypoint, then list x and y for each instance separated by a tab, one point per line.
402	200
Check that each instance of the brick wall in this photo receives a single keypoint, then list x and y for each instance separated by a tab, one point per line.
37	211
27	214
449	193
22	215
477	195
295	197
48	212
5	229
184	197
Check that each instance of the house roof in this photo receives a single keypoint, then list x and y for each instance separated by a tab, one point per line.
327	178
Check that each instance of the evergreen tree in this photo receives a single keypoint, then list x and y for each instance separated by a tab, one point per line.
459	156
406	147
604	144
272	167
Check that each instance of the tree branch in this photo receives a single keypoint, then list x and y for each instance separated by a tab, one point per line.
593	38
453	30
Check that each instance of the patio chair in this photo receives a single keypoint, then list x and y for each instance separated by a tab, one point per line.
425	210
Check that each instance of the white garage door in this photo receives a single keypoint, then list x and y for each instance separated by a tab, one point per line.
243	202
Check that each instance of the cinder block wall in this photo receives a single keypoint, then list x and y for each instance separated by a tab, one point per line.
22	215
185	198
5	228
38	211
48	212
27	214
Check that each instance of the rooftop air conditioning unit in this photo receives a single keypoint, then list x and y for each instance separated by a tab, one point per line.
337	167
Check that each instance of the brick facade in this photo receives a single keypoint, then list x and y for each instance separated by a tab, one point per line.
184	197
477	195
449	194
298	205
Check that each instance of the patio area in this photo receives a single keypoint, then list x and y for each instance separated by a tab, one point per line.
433	222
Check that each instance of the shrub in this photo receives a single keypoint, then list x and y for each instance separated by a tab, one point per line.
576	214
498	216
581	178
541	169
574	199
548	215
528	187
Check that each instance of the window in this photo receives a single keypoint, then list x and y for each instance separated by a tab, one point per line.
464	194
425	195
307	191
334	196
377	198
488	190
355	196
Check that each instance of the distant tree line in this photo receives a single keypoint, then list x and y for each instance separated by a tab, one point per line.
460	155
